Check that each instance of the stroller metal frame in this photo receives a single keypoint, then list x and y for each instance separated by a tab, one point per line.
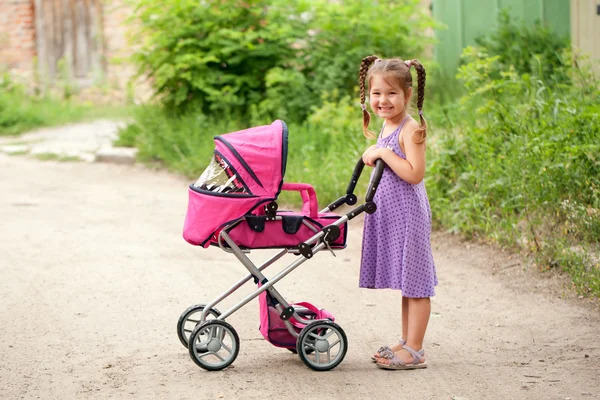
319	241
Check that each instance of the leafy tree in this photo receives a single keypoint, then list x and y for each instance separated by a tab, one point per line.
211	56
338	35
528	49
346	31
264	59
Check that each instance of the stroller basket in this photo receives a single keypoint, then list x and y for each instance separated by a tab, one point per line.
274	329
233	206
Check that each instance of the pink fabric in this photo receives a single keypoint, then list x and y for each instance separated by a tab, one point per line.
261	148
320	313
206	213
273	235
273	328
310	205
242	173
264	314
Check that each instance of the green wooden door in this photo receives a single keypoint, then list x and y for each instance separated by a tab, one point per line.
468	19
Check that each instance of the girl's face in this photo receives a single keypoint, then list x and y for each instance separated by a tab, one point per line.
387	101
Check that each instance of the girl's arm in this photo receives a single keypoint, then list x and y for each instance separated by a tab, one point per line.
412	170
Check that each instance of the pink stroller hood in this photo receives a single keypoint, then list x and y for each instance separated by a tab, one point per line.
258	158
259	155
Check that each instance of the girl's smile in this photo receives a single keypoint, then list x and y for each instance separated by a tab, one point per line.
387	101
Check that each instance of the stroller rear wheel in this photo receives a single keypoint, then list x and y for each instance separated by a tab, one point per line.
214	345
322	345
190	319
310	349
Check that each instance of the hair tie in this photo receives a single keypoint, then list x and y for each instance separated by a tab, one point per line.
408	63
363	106
379	59
421	113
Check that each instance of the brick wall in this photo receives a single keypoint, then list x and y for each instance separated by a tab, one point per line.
18	48
17	34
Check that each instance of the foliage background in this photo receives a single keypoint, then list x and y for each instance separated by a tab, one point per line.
514	137
265	59
513	158
519	162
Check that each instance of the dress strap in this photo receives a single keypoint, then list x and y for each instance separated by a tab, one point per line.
399	128
381	131
396	131
402	123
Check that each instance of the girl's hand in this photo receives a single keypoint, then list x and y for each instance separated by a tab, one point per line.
367	151
372	156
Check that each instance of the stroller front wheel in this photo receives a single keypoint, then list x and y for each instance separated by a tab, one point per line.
214	345
322	345
190	319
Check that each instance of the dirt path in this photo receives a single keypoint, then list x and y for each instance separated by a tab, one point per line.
94	275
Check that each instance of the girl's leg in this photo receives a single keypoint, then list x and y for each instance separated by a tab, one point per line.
414	325
419	310
404	317
397	346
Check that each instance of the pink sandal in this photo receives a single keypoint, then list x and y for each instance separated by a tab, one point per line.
394	362
385	349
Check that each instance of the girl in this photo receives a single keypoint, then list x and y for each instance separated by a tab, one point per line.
396	251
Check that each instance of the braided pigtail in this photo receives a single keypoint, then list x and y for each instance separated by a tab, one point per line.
362	78
420	135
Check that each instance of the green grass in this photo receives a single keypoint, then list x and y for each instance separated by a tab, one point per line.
19	153
20	113
57	157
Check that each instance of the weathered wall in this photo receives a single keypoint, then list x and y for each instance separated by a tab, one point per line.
24	40
17	34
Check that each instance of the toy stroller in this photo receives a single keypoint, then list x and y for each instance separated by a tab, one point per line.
233	206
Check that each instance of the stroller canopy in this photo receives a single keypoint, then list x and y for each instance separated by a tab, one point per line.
247	170
259	155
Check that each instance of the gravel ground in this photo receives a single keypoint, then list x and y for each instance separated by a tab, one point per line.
95	274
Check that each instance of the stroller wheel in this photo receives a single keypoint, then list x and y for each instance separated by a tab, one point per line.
214	345
310	349
190	318
322	345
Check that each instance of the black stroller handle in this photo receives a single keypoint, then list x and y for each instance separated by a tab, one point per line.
350	197
369	206
379	166
355	175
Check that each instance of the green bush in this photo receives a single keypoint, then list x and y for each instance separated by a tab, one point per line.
264	59
182	143
212	56
20	112
16	114
528	49
523	147
346	31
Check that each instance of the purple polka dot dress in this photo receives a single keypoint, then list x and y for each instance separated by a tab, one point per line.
396	249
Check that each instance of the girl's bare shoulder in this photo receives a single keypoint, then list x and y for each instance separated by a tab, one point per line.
411	126
408	129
